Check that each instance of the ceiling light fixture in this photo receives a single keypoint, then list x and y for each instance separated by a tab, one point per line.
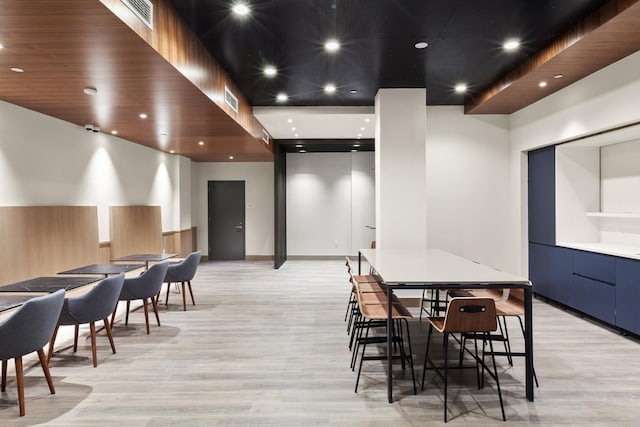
353	91
367	120
17	69
114	132
302	151
240	9
230	157
421	45
356	145
270	71
1	47
511	45
359	135
282	97
172	151
332	45
460	88
293	128
542	84
362	128
289	120
558	76
298	145
200	142
354	150
143	115
296	135
330	88
90	91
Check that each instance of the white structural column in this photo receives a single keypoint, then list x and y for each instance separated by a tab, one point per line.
401	205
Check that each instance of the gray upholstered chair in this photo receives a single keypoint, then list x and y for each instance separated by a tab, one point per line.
96	304
143	287
183	272
26	331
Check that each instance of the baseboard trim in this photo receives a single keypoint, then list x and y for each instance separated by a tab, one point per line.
258	257
315	257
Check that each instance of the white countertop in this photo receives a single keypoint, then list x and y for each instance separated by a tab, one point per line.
625	251
433	266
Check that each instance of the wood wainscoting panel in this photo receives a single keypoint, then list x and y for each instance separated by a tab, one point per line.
135	229
179	242
43	240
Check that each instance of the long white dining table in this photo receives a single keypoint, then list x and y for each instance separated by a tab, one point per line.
438	269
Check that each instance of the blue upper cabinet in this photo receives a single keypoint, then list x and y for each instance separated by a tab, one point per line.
542	196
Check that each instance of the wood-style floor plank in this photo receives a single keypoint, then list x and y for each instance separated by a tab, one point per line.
269	348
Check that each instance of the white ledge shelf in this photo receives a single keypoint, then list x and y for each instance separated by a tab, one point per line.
629	215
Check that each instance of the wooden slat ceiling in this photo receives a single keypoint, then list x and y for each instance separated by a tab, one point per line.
604	37
66	45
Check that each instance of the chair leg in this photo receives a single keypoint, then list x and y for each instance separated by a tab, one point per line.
446	378
426	355
155	310
193	301
107	328
184	299
113	315
92	329
166	301
364	347
3	387
495	372
20	384
45	369
146	313
413	375
52	342
505	334
126	316
75	338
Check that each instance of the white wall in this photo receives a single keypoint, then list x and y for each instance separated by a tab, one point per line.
259	208
467	185
46	161
330	200
601	101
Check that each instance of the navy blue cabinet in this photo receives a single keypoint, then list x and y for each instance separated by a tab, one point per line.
550	271
628	295
593	283
542	196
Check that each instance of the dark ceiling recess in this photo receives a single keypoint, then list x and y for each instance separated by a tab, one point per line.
377	44
326	145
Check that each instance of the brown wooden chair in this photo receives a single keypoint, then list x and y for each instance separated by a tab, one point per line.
373	310
475	318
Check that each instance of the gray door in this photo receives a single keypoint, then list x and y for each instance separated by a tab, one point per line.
226	220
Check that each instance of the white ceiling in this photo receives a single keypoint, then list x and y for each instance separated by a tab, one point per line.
317	122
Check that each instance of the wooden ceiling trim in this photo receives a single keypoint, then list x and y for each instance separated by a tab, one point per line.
177	44
575	55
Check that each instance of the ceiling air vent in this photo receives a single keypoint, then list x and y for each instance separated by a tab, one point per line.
230	99
143	10
265	136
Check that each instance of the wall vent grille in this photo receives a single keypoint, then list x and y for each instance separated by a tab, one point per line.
143	9
230	99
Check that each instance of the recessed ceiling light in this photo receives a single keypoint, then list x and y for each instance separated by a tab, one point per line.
298	145
114	132
330	88
296	135
270	71
511	45
293	128
289	120
1	46
542	84
353	151
200	142
332	45
172	151
359	135
302	151
460	88
240	9
558	76
362	128
353	91
90	90
421	45
282	97
143	116
230	157
367	120
17	69
356	145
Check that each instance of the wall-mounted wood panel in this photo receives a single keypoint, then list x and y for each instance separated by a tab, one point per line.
43	240
135	229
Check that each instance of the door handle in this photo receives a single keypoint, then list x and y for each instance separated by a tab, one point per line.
238	228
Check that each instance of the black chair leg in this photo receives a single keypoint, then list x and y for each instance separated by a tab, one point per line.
446	375
413	375
364	347
426	356
495	372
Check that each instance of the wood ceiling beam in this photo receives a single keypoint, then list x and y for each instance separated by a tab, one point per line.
604	37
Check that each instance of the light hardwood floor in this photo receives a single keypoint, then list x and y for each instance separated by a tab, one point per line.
269	347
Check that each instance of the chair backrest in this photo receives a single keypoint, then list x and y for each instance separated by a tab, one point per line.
148	284
31	326
470	314
96	304
184	270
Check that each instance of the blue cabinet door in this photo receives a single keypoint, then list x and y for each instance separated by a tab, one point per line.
628	295
595	266
542	196
593	297
550	271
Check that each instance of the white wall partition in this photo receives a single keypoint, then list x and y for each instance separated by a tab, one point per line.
259	217
46	161
468	185
330	200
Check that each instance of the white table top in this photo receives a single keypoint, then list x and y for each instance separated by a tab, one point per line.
433	266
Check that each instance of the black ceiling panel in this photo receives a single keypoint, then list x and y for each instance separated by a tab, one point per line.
377	44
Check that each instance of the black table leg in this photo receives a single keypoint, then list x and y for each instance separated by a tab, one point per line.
389	347
528	341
